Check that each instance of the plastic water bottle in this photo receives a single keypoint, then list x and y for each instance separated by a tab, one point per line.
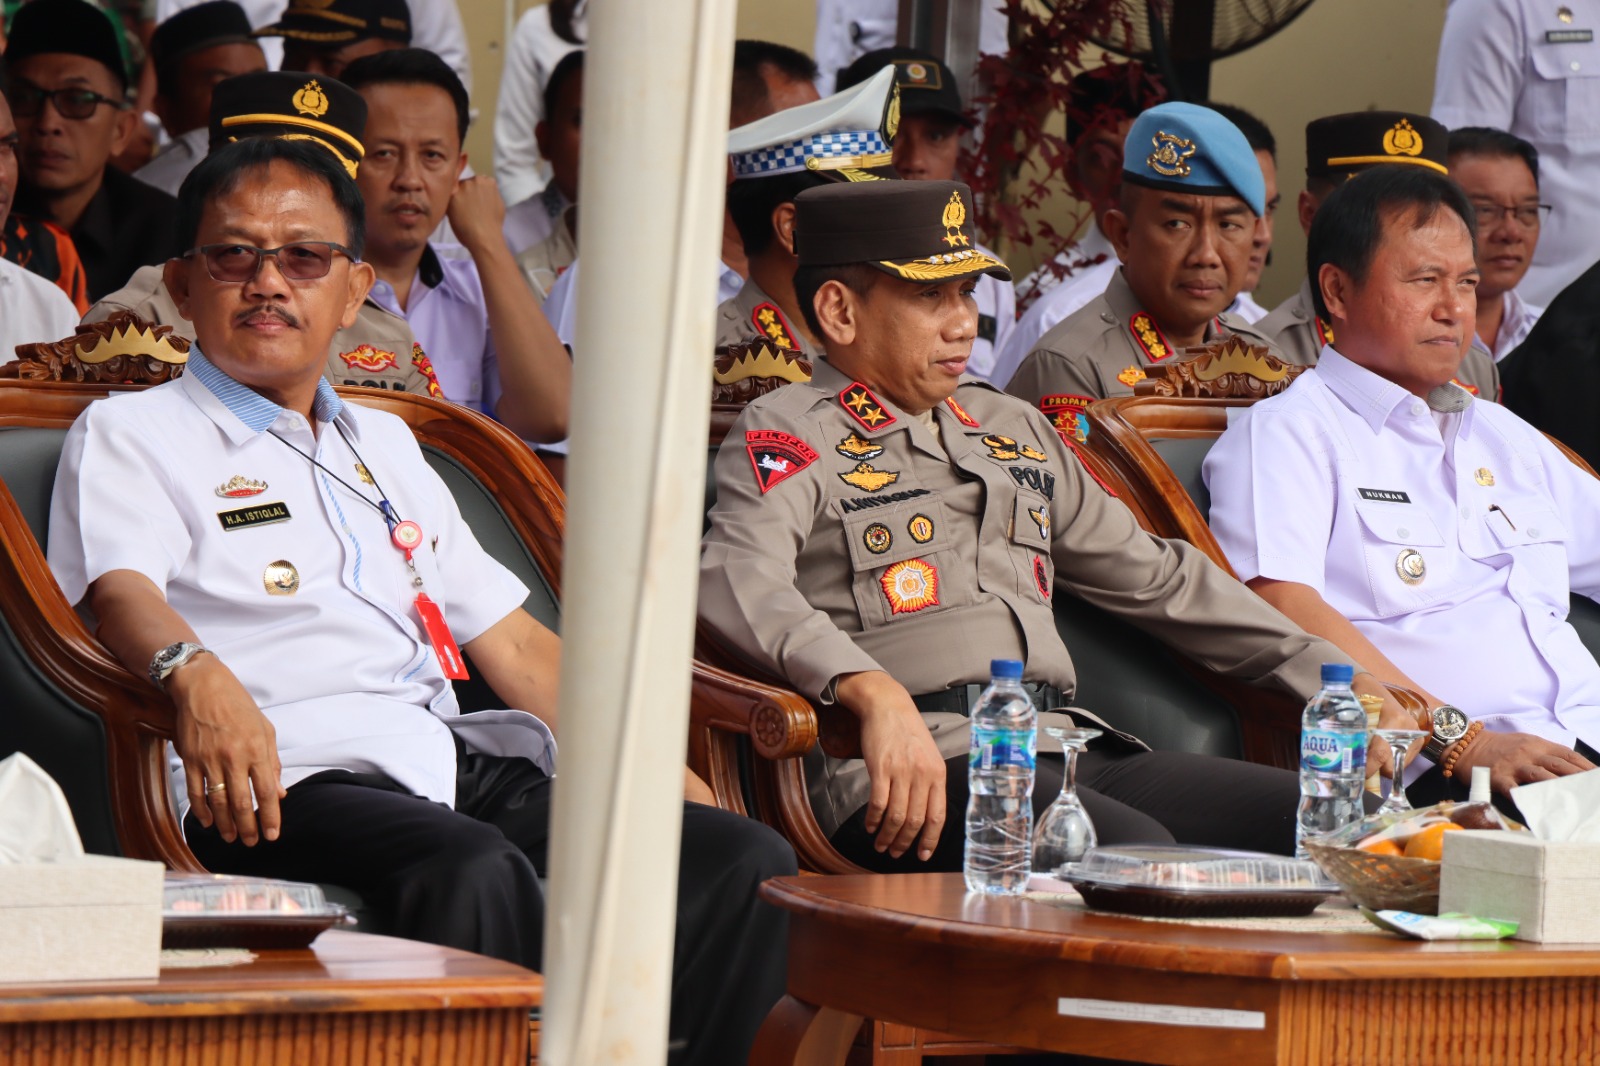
1005	741
1333	757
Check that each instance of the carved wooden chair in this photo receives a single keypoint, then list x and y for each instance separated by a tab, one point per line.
101	731
122	349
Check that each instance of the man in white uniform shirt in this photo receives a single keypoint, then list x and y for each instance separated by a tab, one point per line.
1532	67
1434	537
263	555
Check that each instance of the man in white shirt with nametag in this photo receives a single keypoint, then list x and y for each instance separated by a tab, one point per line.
289	569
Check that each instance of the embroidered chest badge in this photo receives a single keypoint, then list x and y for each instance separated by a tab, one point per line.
869	479
776	456
771	324
1041	518
858	448
911	586
864	407
1148	336
1131	376
366	357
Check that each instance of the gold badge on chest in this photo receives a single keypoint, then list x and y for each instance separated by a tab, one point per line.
281	578
1411	567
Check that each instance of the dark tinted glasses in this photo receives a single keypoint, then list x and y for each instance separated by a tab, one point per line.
300	261
27	101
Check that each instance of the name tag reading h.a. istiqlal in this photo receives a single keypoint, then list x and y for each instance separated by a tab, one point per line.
262	514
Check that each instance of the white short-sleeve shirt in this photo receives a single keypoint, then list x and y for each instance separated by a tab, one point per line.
1345	476
339	663
32	310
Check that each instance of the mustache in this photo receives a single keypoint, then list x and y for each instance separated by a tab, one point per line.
257	314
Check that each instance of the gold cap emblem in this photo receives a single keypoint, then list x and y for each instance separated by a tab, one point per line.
311	100
954	217
1402	140
891	117
1170	159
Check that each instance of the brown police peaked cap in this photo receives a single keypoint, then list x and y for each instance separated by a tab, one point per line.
1340	146
915	230
283	103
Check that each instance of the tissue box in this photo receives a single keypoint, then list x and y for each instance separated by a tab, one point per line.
91	918
1551	889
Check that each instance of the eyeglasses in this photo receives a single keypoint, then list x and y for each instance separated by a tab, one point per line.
300	261
27	101
1528	216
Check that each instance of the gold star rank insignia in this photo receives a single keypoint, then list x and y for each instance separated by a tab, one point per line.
865	477
770	323
1148	335
864	407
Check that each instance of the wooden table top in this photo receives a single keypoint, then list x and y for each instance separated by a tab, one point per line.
937	909
340	972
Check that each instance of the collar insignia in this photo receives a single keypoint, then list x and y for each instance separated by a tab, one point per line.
1470	388
868	479
1148	334
1324	331
961	413
424	365
864	407
238	486
776	456
1171	157
1068	413
770	323
858	448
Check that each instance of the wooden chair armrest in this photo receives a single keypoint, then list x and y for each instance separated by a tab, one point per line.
781	724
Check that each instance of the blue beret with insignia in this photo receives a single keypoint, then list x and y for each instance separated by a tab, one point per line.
1193	149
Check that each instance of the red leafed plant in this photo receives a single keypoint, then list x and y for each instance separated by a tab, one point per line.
1024	88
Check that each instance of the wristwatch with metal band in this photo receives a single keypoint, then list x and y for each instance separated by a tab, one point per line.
169	659
1449	725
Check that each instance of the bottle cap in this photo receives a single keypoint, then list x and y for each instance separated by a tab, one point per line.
1480	786
1337	673
1010	669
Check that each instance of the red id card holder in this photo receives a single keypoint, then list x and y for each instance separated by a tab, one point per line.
444	645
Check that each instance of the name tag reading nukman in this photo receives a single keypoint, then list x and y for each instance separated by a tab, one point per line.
244	517
1384	495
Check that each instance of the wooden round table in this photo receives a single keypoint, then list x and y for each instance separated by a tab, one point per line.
918	950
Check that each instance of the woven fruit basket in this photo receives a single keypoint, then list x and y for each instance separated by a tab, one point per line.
1381	882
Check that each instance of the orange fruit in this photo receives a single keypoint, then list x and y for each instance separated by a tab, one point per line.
1429	843
1382	847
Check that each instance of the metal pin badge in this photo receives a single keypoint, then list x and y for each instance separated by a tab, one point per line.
281	578
1411	567
1484	476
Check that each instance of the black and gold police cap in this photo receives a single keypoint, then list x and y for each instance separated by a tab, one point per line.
207	25
295	106
915	230
1340	146
69	27
336	22
927	86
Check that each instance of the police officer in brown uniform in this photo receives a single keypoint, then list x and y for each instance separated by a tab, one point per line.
843	137
378	350
1338	147
1191	193
886	529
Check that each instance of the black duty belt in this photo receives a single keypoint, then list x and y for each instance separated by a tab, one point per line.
962	698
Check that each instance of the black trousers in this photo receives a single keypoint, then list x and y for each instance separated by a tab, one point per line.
1133	797
468	878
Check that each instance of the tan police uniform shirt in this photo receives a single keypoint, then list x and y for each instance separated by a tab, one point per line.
546	260
847	537
1103	348
750	314
1299	335
378	350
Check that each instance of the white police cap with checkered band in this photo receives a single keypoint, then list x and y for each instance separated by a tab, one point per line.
848	131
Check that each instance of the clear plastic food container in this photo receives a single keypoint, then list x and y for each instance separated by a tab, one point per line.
1195	882
214	910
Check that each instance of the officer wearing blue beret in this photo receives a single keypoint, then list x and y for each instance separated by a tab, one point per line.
1192	197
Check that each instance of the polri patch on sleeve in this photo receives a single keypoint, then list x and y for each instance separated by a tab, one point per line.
264	514
1068	412
1384	495
776	456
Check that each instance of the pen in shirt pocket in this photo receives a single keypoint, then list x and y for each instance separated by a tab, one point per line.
1503	514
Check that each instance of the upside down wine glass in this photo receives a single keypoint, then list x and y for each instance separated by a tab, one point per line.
1064	832
1399	741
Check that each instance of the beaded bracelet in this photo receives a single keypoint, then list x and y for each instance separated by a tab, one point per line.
1459	748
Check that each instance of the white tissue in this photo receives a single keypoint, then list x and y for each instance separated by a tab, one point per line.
35	822
1562	808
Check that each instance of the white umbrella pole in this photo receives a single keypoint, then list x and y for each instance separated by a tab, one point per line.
656	85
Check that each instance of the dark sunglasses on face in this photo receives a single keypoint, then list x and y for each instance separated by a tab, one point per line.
27	101
299	261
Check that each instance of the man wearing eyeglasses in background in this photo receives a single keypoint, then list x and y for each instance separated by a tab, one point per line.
1499	172
68	88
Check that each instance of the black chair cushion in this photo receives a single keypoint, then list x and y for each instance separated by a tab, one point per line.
1185	456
